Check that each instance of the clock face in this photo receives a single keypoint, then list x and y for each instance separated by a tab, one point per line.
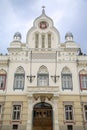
43	24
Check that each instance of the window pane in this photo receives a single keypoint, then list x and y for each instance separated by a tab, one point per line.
83	81
19	81
69	127
67	81
0	111
16	112
2	81
43	80
49	40
85	111
68	112
36	40
43	41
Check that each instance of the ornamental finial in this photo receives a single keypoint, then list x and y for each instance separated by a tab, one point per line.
43	9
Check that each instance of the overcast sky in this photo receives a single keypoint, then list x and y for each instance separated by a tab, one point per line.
18	16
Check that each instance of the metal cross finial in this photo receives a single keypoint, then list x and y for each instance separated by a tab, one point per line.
43	6
43	11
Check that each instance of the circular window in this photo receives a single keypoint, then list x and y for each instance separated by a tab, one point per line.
43	24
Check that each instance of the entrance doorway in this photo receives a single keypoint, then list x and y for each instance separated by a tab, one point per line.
42	116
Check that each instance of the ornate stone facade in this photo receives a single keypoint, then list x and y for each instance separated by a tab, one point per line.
43	82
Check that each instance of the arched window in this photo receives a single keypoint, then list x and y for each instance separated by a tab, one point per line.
83	79
2	79
36	40
49	40
43	41
19	78
43	76
66	79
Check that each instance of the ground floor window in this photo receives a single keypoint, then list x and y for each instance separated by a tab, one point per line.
85	112
15	127
16	112
69	127
68	112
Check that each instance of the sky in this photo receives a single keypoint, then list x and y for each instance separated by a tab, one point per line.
67	15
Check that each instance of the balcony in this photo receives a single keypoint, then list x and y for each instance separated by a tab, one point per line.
54	90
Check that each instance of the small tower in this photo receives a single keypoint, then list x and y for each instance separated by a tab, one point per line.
17	36
16	43
69	37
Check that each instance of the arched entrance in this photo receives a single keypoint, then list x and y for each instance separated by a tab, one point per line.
42	116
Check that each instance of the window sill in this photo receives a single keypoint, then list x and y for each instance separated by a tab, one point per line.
2	89
85	122
16	121
69	122
67	89
83	89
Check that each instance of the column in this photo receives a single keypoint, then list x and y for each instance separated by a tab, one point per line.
55	112
29	121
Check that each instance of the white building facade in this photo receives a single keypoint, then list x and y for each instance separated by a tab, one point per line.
43	82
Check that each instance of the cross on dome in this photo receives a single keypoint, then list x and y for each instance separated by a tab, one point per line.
43	9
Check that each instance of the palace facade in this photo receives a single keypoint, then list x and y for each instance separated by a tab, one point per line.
43	82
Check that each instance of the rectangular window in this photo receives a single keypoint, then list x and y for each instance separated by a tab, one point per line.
16	112
2	81
15	127
19	81
0	111
85	112
43	80
36	40
43	41
69	127
49	40
68	112
67	81
83	81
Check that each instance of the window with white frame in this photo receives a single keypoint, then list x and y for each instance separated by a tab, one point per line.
16	115
43	77
19	78
69	113
66	79
85	112
83	79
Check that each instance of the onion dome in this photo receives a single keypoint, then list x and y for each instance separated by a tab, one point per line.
69	36
17	36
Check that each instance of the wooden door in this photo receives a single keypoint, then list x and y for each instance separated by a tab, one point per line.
42	117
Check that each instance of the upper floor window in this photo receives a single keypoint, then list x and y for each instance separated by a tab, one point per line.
43	76
16	113
69	115
49	40
2	79
83	79
36	40
19	78
43	41
66	79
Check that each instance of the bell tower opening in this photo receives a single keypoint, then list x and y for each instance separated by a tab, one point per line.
42	116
